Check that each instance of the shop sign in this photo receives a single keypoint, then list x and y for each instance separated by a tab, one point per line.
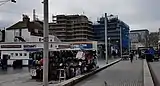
33	72
64	46
10	46
29	46
84	46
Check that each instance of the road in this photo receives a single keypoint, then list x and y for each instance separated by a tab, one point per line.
123	73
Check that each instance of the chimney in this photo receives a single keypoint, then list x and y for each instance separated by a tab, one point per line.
34	14
26	18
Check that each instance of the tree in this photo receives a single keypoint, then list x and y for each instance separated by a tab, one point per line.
153	39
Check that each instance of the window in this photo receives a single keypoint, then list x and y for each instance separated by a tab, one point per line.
12	54
20	54
51	40
40	39
16	54
51	46
25	54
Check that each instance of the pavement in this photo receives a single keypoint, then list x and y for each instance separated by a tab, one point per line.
155	70
102	62
21	77
123	73
147	80
10	70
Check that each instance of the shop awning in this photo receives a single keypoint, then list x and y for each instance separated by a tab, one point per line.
33	49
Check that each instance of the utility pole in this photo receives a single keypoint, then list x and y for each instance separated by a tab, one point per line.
106	37
129	43
46	47
121	41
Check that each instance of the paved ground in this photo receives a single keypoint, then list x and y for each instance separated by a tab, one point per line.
21	77
123	73
102	62
155	66
10	70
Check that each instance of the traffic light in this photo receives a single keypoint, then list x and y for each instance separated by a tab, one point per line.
14	1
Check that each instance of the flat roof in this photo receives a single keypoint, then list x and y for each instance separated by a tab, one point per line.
139	30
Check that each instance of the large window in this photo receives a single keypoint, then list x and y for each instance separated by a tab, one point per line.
40	39
12	54
25	54
20	54
16	54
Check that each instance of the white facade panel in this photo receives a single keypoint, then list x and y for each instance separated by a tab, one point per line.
17	55
9	36
26	34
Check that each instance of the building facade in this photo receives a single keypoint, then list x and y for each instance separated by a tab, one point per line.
69	28
22	38
153	39
139	37
27	31
116	29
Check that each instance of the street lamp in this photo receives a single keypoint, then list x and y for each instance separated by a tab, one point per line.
106	37
158	43
121	41
46	45
109	45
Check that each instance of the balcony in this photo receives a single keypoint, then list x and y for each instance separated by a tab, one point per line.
80	34
81	30
81	26
113	30
60	31
113	34
79	38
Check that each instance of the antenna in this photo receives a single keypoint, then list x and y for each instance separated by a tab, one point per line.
34	14
83	12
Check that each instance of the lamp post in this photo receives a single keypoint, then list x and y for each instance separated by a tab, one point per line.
46	45
106	38
109	45
158	44
121	42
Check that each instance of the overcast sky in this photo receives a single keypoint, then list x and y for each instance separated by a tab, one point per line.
138	14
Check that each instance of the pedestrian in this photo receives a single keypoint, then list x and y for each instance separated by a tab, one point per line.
131	57
113	54
136	55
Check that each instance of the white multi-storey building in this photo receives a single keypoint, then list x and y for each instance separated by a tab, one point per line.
18	40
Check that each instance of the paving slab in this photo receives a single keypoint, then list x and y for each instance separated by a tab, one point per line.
155	70
123	73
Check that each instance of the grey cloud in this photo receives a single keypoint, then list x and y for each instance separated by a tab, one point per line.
136	13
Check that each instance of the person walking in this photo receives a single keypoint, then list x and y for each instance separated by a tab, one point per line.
136	55
131	57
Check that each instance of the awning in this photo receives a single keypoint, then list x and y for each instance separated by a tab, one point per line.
33	49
